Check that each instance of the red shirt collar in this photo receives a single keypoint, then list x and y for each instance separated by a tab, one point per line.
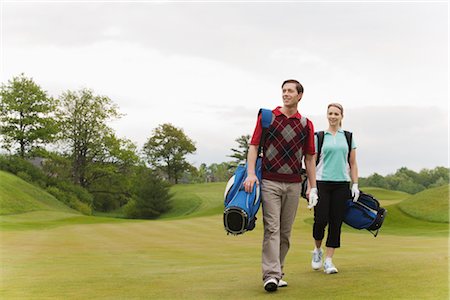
277	112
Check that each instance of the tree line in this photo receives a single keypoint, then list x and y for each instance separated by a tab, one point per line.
82	162
408	180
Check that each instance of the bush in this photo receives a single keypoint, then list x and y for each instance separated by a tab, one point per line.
15	164
152	197
24	176
77	191
70	200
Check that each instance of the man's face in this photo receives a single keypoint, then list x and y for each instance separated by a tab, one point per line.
290	95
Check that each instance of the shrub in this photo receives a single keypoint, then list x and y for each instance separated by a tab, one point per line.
70	200
15	164
152	197
24	176
77	191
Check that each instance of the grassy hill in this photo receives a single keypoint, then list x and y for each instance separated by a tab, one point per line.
385	195
430	205
25	206
18	196
194	200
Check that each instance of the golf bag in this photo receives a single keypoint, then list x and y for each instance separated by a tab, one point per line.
366	213
241	207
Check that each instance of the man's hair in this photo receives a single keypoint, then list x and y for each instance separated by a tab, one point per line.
297	85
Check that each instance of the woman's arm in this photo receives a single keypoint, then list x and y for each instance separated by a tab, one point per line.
353	166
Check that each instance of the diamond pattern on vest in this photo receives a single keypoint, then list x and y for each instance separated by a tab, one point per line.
285	169
299	154
271	152
288	133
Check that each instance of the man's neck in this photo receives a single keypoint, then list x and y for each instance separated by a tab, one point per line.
289	111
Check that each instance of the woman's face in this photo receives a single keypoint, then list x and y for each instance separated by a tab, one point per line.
334	116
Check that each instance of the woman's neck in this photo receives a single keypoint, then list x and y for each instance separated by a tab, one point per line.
333	129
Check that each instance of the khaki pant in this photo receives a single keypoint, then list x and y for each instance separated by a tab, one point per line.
279	207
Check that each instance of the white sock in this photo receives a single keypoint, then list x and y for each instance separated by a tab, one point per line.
328	260
316	249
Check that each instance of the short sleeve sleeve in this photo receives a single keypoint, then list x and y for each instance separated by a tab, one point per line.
309	147
256	137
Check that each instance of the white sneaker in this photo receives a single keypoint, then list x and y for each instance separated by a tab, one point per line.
282	283
329	268
271	285
316	262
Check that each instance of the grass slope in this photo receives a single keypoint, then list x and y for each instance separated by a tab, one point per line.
19	196
430	205
194	200
385	195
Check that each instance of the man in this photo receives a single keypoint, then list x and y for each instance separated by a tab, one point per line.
289	138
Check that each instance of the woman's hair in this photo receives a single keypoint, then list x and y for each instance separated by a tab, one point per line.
338	106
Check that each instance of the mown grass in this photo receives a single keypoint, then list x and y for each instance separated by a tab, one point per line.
36	220
193	258
430	205
19	196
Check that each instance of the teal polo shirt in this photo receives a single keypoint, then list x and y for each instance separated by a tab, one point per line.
333	164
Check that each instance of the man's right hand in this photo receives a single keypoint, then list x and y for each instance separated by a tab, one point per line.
249	182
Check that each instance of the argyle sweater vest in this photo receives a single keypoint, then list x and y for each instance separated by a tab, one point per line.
283	149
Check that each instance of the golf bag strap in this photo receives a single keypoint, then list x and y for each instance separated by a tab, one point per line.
320	136
266	120
348	136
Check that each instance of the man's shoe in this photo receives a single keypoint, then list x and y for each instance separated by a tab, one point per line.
329	268
271	285
282	283
316	262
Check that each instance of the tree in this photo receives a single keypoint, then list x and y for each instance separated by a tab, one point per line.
166	151
240	154
83	118
220	172
26	115
110	177
152	197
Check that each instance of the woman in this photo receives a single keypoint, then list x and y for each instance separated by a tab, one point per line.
334	171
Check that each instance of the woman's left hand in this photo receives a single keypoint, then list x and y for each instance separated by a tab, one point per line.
355	192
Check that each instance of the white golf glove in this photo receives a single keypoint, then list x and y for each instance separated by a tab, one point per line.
313	198
355	192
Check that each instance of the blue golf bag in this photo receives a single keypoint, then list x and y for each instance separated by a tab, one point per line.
366	213
241	207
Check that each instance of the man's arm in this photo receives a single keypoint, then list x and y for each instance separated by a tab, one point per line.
310	165
251	174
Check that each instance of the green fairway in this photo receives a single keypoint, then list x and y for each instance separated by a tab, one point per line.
194	259
59	255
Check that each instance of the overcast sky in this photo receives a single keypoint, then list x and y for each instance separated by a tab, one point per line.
208	67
